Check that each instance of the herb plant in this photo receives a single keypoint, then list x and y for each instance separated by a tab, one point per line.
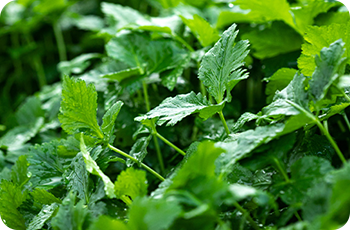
177	114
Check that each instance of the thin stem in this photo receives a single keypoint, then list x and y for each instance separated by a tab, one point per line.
170	144
297	216
320	126
60	41
224	122
155	140
126	200
183	42
346	120
246	213
136	161
282	171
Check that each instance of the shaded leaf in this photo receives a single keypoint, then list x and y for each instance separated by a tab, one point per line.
132	183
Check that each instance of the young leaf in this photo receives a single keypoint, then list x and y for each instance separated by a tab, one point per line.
19	174
139	150
221	66
318	38
202	30
41	196
174	109
146	213
78	107
328	66
45	214
109	119
70	216
93	168
132	183
107	223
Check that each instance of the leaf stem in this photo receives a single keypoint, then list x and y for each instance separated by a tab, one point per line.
224	122
282	171
249	218
170	144
136	161
155	140
346	120
60	41
322	128
126	200
183	42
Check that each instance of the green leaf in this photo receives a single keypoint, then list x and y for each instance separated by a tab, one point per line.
78	107
328	66
202	30
257	11
243	119
278	81
78	64
200	163
243	143
174	109
19	135
45	214
93	168
19	175
318	38
150	56
46	165
147	213
123	74
29	111
304	174
11	197
107	223
88	22
274	40
109	119
220	68
170	77
132	183
44	197
139	150
69	215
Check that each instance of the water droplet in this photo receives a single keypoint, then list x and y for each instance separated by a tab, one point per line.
230	5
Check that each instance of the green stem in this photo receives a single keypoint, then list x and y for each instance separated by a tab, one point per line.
126	200
183	42
60	41
322	128
282	171
170	144
224	122
155	140
136	161
346	120
246	213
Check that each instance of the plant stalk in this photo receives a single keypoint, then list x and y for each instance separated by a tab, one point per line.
170	144
224	122
155	139
60	41
136	161
249	218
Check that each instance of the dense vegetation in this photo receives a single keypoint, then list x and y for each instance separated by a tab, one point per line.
174	114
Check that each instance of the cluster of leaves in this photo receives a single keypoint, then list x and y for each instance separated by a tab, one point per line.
168	127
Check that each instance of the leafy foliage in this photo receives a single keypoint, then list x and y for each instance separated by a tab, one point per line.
104	148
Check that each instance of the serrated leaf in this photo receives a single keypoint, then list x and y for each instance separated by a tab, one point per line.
243	119
70	216
146	213
277	39
174	109
328	68
139	150
93	168
11	197
318	38
132	183
220	68
45	214
278	81
202	30
19	174
109	119
42	196
78	107
46	165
